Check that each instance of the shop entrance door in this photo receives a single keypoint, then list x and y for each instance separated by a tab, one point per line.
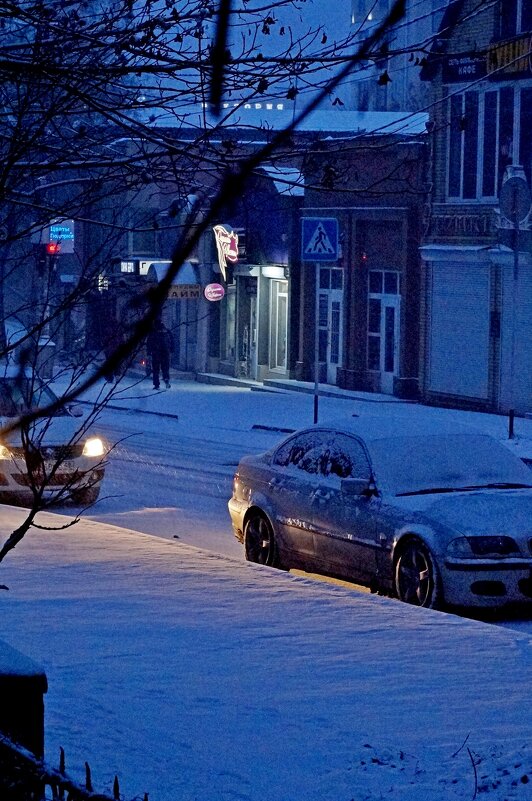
278	325
330	298
383	326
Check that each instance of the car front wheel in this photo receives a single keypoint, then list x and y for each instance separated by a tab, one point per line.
259	541
86	496
417	579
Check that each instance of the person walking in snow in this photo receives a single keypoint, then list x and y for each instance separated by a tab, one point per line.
159	346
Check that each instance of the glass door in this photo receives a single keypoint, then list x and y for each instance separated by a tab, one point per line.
278	324
383	326
330	319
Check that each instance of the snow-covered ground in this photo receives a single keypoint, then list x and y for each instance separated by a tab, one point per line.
194	675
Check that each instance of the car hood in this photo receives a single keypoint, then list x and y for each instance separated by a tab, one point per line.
56	431
488	512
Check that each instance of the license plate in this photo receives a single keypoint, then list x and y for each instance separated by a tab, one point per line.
68	466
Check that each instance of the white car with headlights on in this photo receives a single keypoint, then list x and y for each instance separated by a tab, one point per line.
53	459
436	515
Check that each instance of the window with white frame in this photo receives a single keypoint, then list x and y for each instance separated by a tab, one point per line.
383	286
515	16
488	130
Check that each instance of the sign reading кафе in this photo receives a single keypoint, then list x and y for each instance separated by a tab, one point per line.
463	67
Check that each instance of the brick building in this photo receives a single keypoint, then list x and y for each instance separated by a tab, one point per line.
478	268
364	298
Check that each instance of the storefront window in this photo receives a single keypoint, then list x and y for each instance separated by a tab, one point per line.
508	18
483	140
470	145
391	283
489	144
374	316
515	16
526	16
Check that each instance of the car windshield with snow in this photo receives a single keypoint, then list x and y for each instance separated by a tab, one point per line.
51	459
436	515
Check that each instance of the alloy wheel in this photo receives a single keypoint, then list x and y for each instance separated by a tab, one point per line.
416	579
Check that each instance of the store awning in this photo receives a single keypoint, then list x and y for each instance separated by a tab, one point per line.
185	275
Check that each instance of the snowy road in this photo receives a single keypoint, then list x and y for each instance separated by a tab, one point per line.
172	481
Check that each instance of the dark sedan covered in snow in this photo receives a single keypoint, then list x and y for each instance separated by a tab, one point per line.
436	515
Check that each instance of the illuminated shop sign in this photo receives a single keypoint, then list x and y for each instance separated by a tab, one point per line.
214	292
227	247
62	233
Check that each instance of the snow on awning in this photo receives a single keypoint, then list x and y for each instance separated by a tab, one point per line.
185	275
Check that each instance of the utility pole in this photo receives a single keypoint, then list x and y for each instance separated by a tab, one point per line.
514	203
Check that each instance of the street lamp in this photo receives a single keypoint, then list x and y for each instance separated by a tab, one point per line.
514	203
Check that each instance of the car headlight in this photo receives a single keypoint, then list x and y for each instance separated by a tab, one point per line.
4	452
94	447
482	547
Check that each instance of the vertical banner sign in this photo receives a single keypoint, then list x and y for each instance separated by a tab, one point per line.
227	247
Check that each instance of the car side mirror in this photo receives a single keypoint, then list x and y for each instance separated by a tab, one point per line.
358	487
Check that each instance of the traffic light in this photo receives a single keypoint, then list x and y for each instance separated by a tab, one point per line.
46	257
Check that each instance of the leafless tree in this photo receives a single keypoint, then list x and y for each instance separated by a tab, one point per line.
105	104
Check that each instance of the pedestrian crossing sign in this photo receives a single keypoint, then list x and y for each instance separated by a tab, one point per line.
319	239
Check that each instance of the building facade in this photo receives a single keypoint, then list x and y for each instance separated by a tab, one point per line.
360	291
477	262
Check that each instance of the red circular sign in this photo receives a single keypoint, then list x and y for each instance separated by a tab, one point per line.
214	291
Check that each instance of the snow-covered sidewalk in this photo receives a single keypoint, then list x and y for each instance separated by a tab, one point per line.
195	677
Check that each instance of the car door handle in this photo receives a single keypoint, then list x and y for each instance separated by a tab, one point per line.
321	494
274	482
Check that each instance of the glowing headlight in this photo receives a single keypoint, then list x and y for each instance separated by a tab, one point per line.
4	452
94	447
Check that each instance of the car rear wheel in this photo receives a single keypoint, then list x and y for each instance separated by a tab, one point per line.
259	541
417	579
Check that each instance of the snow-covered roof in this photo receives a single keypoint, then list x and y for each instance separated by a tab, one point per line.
185	275
287	180
14	663
277	116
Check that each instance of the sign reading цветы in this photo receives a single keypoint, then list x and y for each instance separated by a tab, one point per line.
61	232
